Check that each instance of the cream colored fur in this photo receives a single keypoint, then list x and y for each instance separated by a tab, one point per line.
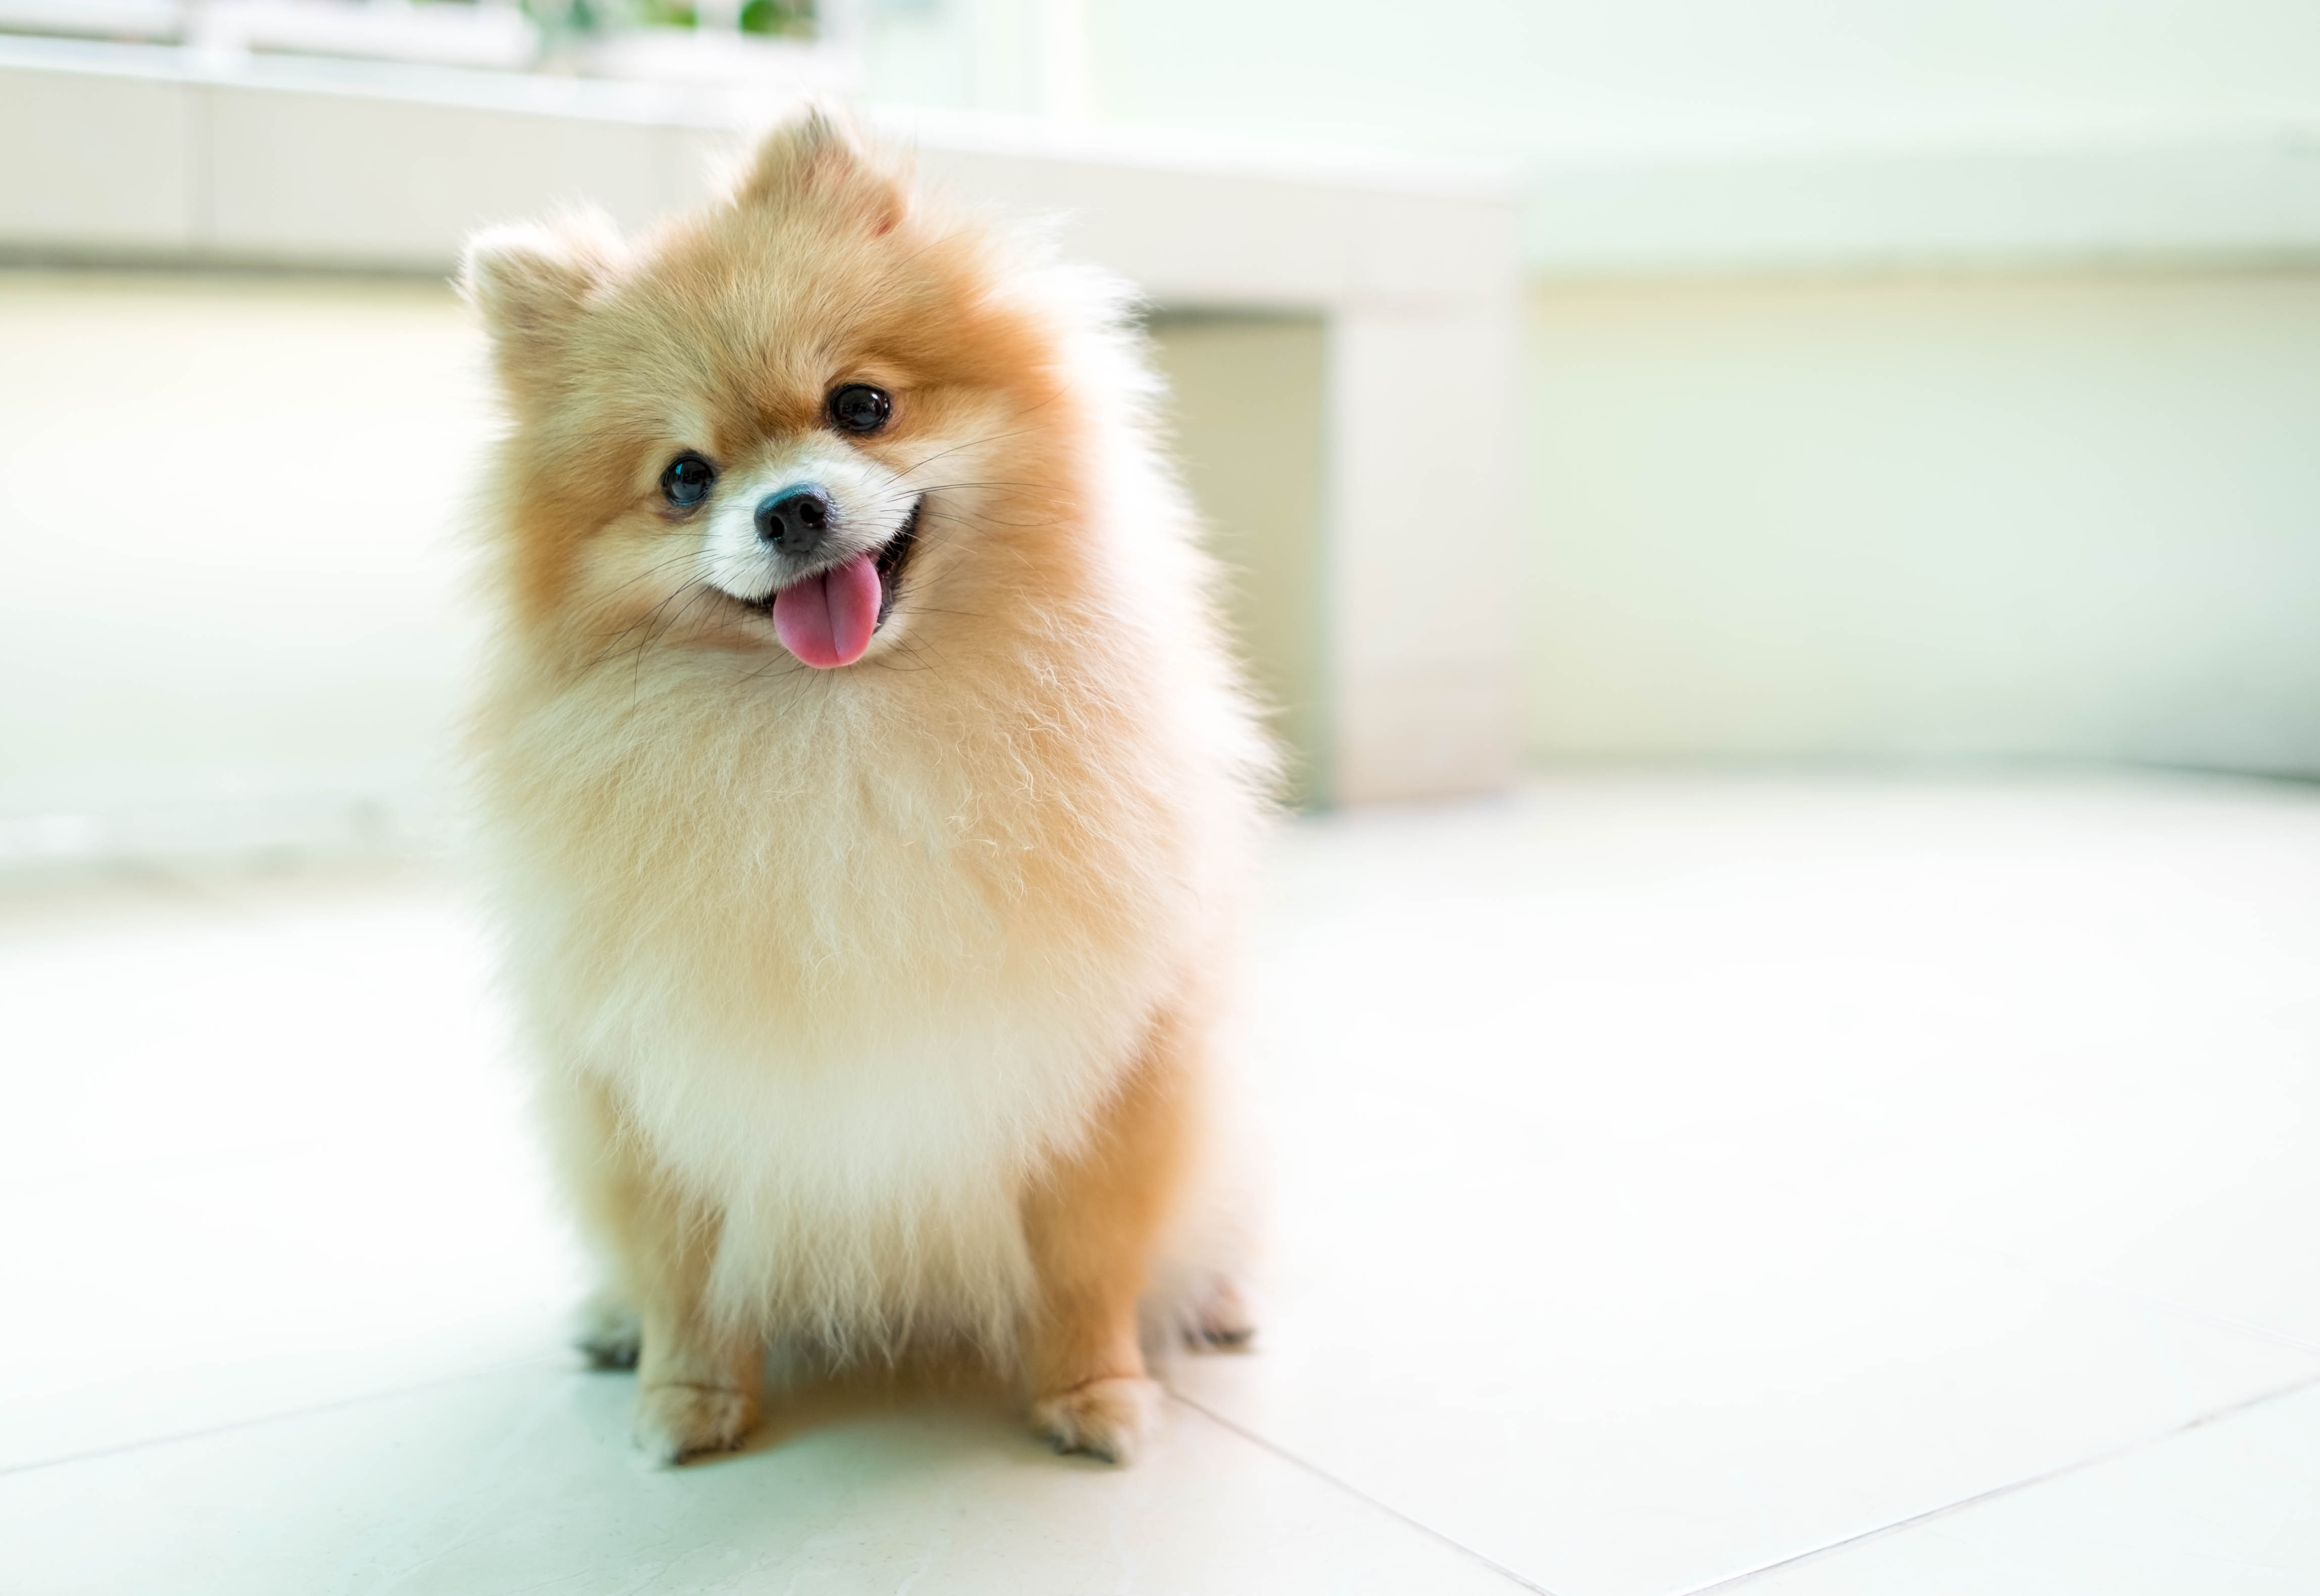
844	975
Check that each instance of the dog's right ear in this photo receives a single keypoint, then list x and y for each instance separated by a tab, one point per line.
530	283
816	157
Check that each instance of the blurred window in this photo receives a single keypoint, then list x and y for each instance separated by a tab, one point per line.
719	41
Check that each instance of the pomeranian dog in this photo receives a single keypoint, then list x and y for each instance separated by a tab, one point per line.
869	792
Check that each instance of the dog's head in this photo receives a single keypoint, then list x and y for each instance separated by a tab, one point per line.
775	427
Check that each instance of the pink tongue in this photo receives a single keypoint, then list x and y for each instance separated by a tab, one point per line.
826	621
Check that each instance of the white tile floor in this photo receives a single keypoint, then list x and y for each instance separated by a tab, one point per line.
1791	1185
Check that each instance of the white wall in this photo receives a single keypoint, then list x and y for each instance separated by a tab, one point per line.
229	510
2056	517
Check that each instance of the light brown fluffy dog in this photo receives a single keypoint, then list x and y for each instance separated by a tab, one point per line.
869	792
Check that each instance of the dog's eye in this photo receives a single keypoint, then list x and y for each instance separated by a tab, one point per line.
685	483
859	408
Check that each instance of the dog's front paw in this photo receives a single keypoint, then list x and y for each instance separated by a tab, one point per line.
675	1421
1106	1419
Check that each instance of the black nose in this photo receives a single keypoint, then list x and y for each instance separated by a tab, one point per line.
795	520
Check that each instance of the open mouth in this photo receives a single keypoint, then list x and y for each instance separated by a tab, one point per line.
827	620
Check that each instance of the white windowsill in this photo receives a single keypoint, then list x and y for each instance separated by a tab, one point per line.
160	153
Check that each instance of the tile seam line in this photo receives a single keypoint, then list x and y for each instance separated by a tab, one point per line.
1325	1477
173	1437
1733	1581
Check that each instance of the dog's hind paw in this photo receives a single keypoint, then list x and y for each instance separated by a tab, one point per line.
1106	1419
607	1333
1222	1323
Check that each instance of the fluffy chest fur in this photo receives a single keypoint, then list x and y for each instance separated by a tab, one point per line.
853	970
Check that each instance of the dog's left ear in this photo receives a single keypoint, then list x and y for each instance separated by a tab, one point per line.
815	160
531	284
